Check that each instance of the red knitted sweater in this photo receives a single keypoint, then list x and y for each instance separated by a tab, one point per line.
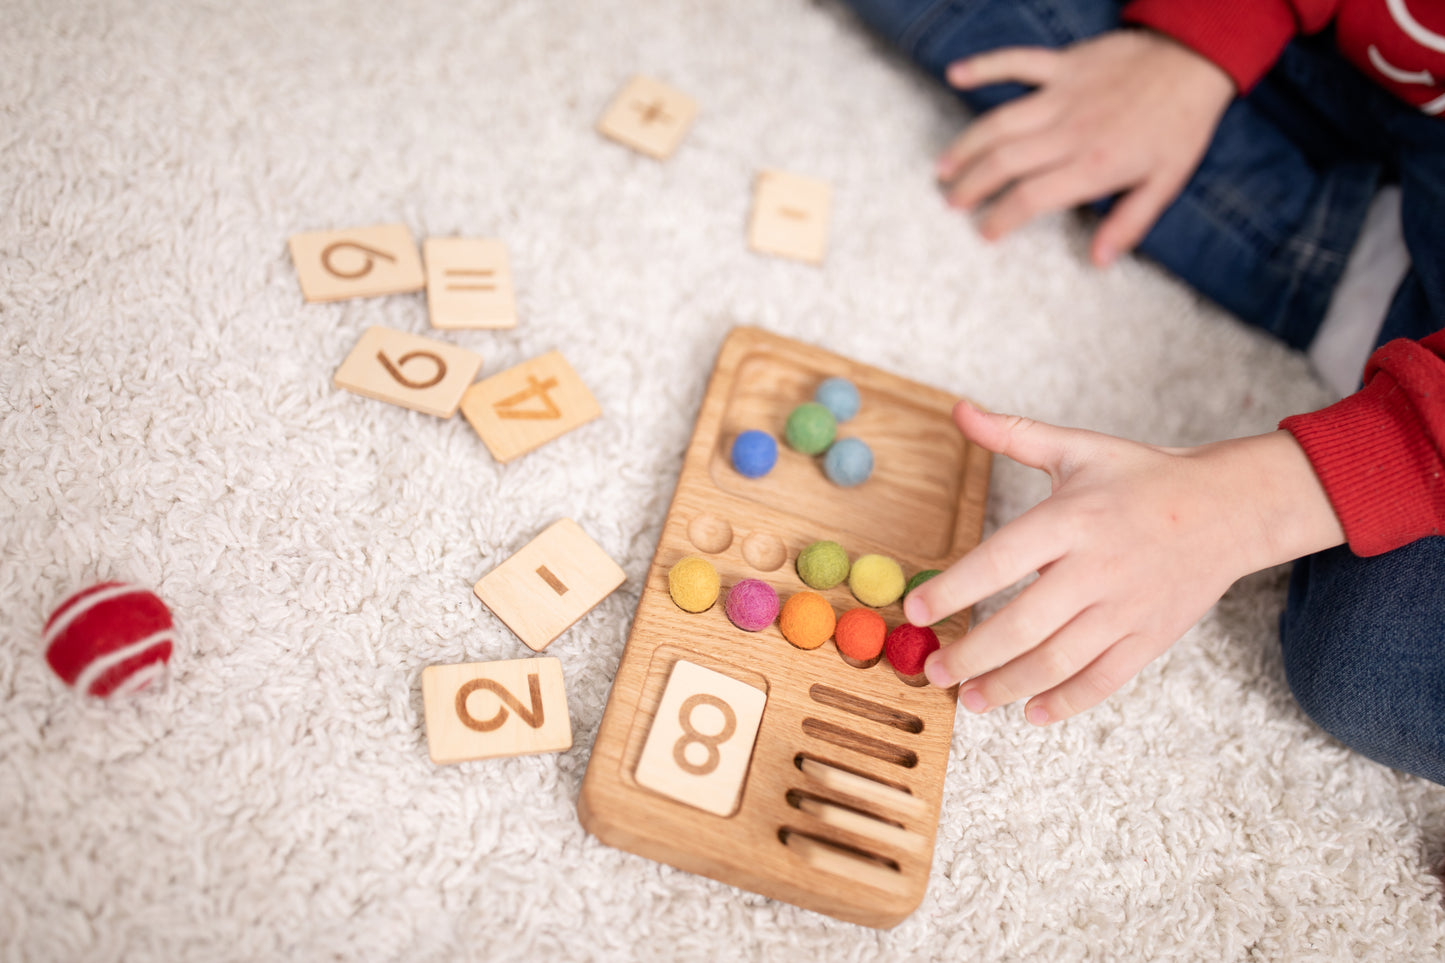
1381	451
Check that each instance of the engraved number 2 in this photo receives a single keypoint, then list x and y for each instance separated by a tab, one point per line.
395	369
690	735
533	717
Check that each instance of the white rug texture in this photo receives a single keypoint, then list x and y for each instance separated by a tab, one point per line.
167	417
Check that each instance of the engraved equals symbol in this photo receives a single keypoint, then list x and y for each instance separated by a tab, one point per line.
472	279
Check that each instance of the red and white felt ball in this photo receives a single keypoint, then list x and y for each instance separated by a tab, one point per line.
110	639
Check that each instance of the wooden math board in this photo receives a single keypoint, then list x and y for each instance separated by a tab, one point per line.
838	803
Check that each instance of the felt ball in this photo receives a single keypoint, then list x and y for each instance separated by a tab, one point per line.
752	605
807	620
860	636
693	584
112	638
876	580
810	428
908	647
848	462
823	565
919	579
754	453
840	396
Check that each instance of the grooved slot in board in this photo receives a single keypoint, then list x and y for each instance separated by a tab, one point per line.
867	745
855	785
799	799
863	708
858	822
854	865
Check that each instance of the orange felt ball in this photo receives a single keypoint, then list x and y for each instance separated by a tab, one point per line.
860	634
807	620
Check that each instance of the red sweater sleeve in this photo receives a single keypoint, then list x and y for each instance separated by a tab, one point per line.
1244	37
1380	453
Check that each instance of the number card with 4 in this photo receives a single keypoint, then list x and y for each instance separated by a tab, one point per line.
408	370
701	739
527	406
481	710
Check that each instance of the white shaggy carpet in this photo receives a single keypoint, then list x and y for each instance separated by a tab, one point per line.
167	417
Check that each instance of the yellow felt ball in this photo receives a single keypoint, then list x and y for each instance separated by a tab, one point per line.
876	580
693	584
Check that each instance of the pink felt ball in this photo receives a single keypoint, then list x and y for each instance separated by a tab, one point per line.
752	605
110	638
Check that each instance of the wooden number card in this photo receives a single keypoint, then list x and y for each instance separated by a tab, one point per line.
790	216
362	262
649	116
738	755
527	406
482	710
408	370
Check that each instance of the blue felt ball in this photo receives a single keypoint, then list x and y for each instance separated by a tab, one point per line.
839	396
754	453
849	462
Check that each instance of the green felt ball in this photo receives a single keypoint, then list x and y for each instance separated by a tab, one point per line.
823	565
811	428
919	579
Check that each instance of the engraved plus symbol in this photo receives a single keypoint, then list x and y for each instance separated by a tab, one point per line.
533	717
508	407
652	113
367	253
557	585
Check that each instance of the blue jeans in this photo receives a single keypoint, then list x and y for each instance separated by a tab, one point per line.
1264	228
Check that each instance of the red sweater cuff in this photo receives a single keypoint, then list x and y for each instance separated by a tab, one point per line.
1243	39
1380	471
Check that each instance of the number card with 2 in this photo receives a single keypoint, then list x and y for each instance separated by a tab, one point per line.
408	370
356	263
482	710
525	407
701	741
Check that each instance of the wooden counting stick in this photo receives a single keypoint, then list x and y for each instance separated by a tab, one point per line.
527	406
790	216
469	283
842	862
361	262
557	578
864	789
861	824
701	740
482	710
648	116
408	370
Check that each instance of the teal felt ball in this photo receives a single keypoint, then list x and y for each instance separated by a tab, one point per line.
849	462
840	396
811	428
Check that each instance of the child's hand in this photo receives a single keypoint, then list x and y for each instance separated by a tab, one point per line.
1130	111
1133	546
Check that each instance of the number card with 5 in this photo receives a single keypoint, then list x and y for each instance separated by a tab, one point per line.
701	740
409	370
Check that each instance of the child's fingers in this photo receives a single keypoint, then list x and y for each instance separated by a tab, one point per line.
1041	610
1047	665
1046	192
1017	119
1132	217
1100	679
1019	549
1036	444
1006	163
1026	65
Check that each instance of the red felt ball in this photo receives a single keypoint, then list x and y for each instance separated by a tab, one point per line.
908	646
110	638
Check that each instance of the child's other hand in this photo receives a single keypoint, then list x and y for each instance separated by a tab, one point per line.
1132	548
1128	112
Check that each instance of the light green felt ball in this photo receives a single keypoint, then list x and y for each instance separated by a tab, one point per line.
823	565
811	428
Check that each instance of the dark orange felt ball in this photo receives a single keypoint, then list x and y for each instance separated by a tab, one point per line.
860	634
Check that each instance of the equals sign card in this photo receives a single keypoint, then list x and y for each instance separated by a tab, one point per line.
469	283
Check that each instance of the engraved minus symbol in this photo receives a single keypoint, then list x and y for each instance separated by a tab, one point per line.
551	580
793	213
470	273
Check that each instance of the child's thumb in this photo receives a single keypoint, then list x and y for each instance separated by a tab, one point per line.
1033	443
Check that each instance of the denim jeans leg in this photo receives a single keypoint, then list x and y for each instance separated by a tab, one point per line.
1418	308
1363	651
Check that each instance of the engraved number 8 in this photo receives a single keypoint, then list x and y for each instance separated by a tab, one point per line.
691	735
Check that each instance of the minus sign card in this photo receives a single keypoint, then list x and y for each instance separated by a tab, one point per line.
790	216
